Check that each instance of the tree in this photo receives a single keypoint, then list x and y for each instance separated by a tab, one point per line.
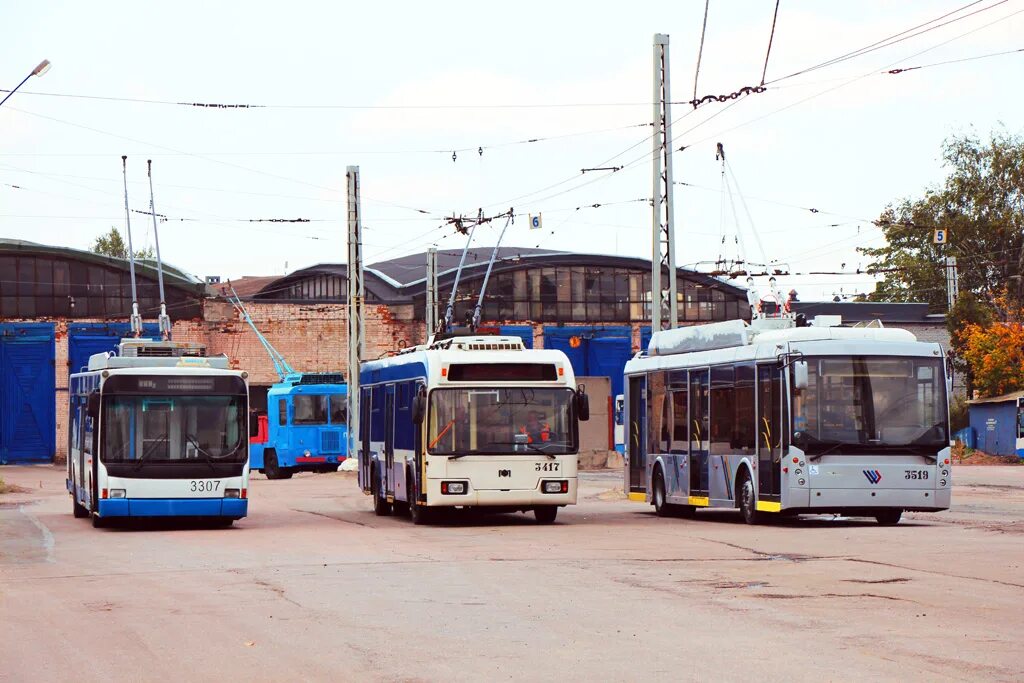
111	244
980	206
996	356
968	311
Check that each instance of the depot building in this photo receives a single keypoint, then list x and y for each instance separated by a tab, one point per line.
60	305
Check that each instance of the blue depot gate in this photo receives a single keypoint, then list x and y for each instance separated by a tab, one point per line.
594	351
27	405
85	339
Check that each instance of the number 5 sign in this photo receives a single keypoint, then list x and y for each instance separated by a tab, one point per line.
941	236
535	222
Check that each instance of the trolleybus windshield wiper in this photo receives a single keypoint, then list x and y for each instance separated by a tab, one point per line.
199	449
150	449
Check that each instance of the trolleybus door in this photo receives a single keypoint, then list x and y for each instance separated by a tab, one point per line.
365	464
769	432
699	432
636	451
389	441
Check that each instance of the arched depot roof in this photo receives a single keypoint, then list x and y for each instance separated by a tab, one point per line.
525	285
403	279
40	281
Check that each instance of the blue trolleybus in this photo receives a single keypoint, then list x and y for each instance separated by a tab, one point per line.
305	428
158	430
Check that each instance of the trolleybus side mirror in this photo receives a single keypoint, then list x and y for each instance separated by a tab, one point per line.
800	378
93	406
582	404
419	407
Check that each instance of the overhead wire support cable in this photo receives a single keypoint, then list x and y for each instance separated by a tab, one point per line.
895	38
700	52
952	61
771	37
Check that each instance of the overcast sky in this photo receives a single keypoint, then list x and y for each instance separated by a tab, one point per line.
396	87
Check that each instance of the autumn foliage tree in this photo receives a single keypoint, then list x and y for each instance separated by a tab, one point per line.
995	354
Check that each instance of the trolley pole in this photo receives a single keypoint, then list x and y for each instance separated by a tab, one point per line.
431	314
356	294
663	258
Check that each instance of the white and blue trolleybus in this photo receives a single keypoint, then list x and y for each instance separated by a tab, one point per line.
781	417
470	421
158	430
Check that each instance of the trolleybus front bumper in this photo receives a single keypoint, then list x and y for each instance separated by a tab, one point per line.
234	508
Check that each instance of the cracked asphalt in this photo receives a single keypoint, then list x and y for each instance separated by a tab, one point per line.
313	586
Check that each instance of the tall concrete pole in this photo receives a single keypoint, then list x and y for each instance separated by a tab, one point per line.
431	313
356	295
663	259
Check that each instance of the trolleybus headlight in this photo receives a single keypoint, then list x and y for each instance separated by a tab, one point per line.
555	487
802	482
117	493
942	483
453	487
232	493
945	473
798	471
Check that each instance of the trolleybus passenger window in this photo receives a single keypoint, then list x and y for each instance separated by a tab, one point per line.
680	418
339	410
282	412
746	421
657	418
723	410
310	410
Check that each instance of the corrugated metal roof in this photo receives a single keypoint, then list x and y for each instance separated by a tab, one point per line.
1016	395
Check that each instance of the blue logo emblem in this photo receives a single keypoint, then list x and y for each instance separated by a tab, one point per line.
874	476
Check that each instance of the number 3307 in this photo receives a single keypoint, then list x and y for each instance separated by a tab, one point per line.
204	486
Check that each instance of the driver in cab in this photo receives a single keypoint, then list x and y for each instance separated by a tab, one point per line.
535	430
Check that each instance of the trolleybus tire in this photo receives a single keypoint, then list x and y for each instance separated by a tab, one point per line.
381	507
98	522
79	510
545	514
419	514
661	508
889	517
748	500
272	469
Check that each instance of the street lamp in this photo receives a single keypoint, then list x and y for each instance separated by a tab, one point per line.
43	67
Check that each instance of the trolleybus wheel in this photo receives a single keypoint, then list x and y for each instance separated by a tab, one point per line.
748	501
98	522
381	507
889	517
661	508
272	469
79	510
545	514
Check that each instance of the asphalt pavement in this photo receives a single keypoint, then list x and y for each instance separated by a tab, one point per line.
313	586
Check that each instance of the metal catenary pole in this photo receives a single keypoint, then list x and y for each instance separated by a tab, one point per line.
663	260
356	294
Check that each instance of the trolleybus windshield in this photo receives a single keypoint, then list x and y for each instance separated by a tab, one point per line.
501	421
173	429
871	404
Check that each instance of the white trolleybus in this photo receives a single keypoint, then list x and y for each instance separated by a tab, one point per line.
470	422
158	430
776	418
